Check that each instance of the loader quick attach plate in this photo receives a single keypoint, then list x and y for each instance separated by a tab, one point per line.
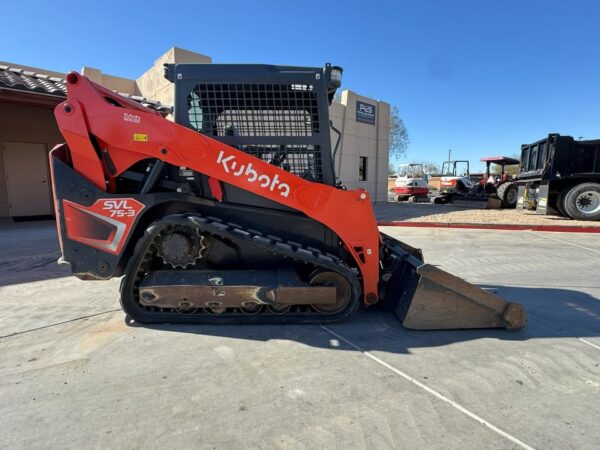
427	298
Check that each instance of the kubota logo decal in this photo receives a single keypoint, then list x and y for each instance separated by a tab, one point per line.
128	117
265	181
119	208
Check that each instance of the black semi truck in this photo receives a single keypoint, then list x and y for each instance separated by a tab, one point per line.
561	174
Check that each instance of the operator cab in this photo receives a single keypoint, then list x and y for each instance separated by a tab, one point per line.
410	182
410	171
455	177
455	169
501	161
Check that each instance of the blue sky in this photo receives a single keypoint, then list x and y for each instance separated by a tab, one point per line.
477	77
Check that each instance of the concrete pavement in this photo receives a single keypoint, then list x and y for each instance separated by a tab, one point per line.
73	374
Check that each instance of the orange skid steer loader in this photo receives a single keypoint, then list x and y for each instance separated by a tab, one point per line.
232	213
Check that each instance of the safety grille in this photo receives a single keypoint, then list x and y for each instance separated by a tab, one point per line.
301	160
254	109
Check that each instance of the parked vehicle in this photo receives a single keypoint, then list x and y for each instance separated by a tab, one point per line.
410	182
455	178
232	213
501	186
561	174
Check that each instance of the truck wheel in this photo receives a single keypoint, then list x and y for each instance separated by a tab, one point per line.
582	202
560	202
509	195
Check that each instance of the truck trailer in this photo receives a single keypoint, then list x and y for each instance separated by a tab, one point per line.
561	175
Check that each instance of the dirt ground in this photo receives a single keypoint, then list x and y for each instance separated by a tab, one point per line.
425	212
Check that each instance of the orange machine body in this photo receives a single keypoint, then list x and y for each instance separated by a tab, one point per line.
128	133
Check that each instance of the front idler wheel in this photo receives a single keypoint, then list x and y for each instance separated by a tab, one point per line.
342	288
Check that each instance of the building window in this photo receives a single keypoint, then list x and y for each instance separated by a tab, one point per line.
362	168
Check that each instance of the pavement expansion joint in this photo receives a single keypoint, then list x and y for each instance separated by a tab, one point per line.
17	333
433	392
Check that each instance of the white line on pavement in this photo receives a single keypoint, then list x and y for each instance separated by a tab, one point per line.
564	242
433	392
589	343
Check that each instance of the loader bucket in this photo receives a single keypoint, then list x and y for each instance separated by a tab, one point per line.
427	298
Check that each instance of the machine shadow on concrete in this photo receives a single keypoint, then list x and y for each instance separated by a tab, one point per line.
552	313
32	268
29	252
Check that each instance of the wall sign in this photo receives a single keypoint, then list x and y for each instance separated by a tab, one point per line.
365	113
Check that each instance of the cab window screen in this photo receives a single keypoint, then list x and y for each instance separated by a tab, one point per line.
254	109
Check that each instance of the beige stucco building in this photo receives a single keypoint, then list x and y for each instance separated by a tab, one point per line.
363	155
28	131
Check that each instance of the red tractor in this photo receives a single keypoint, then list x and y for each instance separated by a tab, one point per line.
499	185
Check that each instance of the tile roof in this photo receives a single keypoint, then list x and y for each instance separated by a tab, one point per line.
28	81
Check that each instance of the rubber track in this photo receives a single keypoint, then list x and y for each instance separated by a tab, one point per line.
233	232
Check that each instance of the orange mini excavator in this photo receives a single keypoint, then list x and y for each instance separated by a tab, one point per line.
232	213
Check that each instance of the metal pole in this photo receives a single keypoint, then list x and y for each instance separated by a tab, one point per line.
449	154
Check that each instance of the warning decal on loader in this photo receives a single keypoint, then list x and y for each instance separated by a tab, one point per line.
140	137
